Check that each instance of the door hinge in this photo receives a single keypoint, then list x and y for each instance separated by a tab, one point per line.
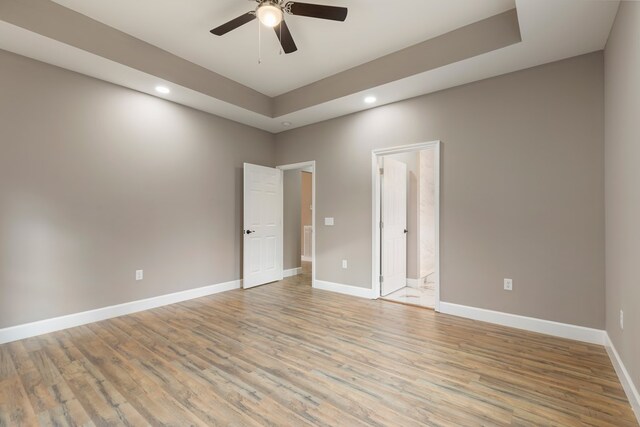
381	224
381	171
381	278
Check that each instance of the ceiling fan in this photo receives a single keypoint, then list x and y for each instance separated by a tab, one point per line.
271	14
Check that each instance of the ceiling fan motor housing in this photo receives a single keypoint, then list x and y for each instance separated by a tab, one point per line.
271	14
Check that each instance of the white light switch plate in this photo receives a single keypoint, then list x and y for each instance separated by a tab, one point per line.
328	221
344	263
508	284
139	274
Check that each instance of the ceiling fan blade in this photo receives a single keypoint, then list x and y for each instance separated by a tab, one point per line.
316	11
234	23
284	35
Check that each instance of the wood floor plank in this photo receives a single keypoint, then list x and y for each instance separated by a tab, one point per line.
418	402
190	390
287	354
157	407
104	404
15	407
7	368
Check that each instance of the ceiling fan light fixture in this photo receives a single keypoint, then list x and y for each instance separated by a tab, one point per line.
269	14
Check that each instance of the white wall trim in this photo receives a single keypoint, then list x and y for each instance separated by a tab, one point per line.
46	326
625	379
355	291
557	329
292	272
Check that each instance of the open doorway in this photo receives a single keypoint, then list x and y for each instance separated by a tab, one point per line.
299	222
406	222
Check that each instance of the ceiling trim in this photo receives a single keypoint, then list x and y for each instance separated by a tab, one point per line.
67	26
549	30
35	46
471	40
54	21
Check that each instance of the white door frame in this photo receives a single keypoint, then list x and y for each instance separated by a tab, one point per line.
303	165
376	205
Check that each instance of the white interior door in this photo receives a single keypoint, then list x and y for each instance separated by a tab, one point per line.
394	226
263	213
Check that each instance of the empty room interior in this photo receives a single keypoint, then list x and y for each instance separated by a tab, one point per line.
322	213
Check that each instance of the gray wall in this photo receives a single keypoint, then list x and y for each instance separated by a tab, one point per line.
97	181
522	188
292	191
622	176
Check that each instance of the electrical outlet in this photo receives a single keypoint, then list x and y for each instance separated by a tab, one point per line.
139	274
621	319
508	284
344	263
328	221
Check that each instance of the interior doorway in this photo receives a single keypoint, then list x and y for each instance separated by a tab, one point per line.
299	222
279	222
262	225
405	213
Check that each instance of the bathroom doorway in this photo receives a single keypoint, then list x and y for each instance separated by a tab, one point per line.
406	221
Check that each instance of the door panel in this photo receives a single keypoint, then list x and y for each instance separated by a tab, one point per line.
262	225
394	219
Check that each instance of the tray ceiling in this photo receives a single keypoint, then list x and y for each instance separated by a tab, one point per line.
373	28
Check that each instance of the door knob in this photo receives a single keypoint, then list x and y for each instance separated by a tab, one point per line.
250	231
406	231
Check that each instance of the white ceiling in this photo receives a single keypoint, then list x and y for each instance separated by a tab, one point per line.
373	28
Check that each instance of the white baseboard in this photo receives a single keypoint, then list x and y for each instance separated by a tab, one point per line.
33	329
625	379
557	329
344	289
292	272
306	258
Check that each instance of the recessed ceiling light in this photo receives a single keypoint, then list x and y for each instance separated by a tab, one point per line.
286	124
370	100
162	89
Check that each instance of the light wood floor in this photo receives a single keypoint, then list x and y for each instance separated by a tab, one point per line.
287	355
